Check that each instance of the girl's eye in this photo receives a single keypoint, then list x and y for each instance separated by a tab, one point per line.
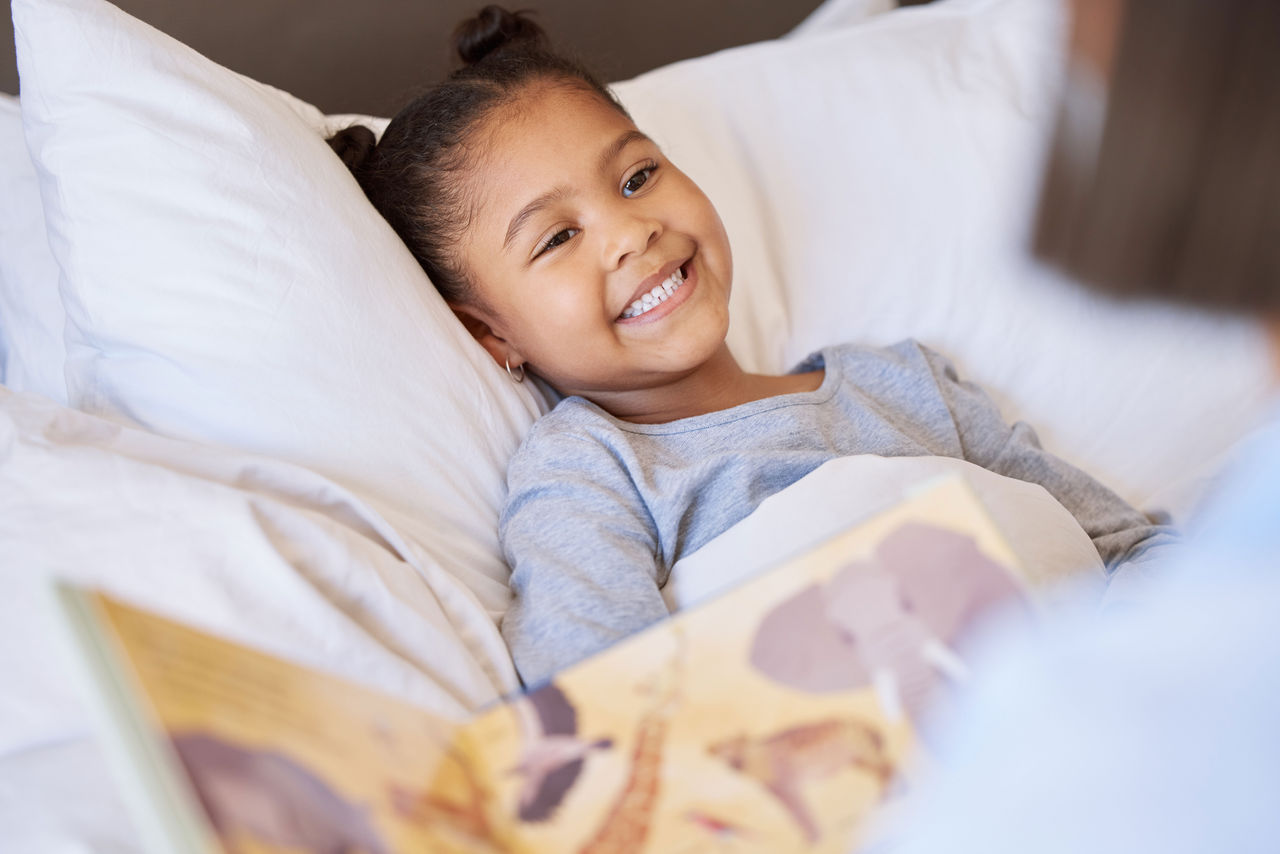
639	179
561	236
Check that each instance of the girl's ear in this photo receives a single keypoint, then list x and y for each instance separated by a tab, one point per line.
494	344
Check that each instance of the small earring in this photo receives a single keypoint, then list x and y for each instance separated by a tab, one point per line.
517	376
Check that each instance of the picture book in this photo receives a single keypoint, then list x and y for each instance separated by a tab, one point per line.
780	716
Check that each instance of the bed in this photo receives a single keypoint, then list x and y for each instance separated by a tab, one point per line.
229	393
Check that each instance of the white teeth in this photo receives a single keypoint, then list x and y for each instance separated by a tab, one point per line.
657	295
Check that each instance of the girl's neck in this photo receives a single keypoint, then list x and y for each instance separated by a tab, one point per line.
717	384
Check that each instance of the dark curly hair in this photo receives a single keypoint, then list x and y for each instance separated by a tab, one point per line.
415	175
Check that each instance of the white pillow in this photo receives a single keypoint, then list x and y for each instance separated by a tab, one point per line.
226	280
31	315
32	351
878	182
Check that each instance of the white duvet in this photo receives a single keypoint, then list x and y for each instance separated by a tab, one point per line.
1056	556
258	550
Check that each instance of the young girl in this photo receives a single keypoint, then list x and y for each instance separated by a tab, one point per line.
570	247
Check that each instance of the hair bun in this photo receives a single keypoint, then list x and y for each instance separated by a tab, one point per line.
353	146
495	29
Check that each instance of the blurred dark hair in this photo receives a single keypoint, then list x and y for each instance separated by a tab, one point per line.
415	175
1180	198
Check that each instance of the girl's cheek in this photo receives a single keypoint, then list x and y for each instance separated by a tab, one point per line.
563	299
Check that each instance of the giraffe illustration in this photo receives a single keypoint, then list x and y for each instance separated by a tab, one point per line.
625	828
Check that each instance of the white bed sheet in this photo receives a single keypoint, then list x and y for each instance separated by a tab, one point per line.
58	798
261	551
1056	556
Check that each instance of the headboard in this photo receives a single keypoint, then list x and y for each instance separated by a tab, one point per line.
367	57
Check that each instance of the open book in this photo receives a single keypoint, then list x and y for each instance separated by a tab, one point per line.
778	717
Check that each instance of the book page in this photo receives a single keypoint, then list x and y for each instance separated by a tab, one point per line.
778	717
283	758
782	716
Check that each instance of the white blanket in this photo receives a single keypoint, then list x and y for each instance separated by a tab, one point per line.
262	551
258	550
1050	544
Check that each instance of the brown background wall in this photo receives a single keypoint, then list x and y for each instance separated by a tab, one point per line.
366	55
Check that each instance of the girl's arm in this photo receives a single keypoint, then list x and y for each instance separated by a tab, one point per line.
1122	534
583	553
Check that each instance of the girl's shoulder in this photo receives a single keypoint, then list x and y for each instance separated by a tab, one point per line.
906	371
573	428
857	360
573	449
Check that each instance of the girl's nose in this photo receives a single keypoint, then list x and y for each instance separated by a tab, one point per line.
630	234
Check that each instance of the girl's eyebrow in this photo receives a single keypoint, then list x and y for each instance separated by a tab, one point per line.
606	157
527	212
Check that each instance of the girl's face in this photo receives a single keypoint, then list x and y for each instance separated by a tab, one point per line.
597	263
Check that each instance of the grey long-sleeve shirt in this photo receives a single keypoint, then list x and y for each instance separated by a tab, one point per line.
598	509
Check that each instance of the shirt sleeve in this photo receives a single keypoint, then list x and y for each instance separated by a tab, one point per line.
1123	535
583	552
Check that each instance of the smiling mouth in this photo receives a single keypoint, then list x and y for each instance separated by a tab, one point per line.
655	297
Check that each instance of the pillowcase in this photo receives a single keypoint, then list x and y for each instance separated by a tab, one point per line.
31	316
226	280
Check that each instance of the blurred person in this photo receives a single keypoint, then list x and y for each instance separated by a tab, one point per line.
1152	729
